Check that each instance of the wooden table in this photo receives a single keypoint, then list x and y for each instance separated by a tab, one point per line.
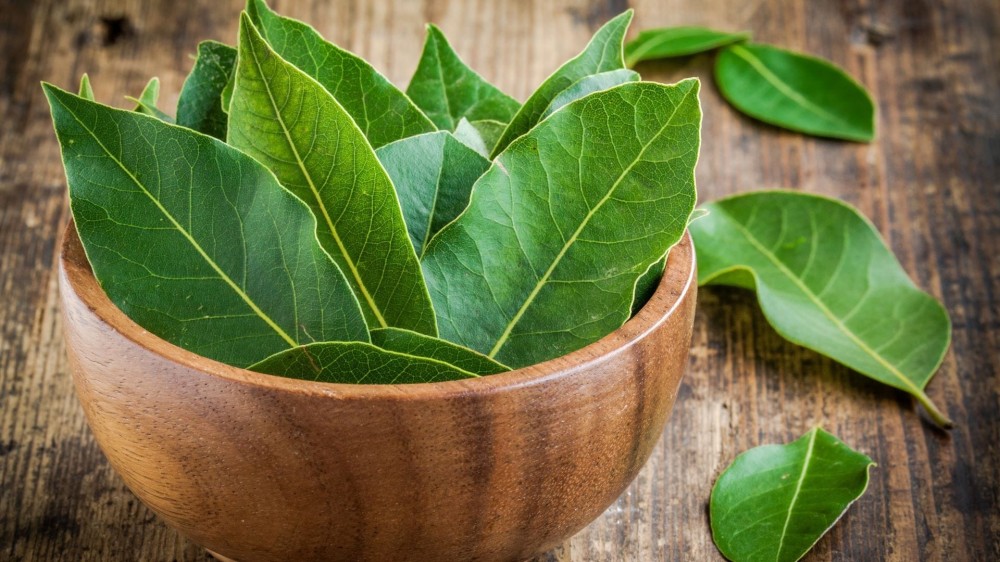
930	183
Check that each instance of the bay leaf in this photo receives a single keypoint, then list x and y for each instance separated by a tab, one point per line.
490	130
291	124
381	110
447	90
826	281
358	363
590	84
603	53
200	103
469	135
147	100
433	174
669	42
422	345
194	240
775	501
795	91
545	258
86	91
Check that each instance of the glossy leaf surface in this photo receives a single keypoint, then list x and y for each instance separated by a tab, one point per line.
775	501
668	42
826	281
589	85
358	363
491	131
200	103
795	91
447	90
196	241
433	174
147	101
545	258
291	124
381	110
603	53
421	345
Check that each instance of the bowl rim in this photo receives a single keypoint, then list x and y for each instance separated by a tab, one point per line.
679	278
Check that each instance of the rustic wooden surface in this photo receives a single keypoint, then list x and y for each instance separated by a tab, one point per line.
930	183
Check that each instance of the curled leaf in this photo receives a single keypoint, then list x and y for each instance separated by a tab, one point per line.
826	281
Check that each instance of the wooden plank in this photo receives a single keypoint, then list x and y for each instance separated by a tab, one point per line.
929	183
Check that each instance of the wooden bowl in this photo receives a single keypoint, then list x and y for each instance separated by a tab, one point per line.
259	467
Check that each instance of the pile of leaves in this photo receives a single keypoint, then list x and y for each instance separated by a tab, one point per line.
302	216
312	220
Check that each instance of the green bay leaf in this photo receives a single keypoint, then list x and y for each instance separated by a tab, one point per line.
775	501
194	240
826	281
381	110
447	90
358	363
603	53
469	135
433	174
795	91
86	90
200	103
146	103
669	42
291	124
421	345
545	258
590	84
489	130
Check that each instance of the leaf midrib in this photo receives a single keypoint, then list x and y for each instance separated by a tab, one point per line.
795	495
222	275
319	200
827	312
583	224
784	88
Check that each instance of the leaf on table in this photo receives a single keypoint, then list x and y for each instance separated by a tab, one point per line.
447	90
381	110
545	258
358	363
826	281
433	174
669	42
420	345
86	91
292	125
589	85
795	91
146	103
775	501
603	53
200	103
194	240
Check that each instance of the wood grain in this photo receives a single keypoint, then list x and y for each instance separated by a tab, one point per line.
259	468
929	182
